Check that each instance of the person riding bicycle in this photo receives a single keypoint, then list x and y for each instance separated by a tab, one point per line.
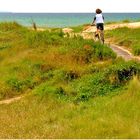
99	21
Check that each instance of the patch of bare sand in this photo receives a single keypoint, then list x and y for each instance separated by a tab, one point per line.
8	101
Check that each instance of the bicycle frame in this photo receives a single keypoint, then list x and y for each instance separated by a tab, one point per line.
99	36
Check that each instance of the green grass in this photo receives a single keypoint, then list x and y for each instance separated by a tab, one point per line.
31	56
102	117
74	88
126	37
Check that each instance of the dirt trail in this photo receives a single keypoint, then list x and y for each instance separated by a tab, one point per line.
8	101
121	52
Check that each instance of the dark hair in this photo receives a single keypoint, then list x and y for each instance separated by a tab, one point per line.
98	11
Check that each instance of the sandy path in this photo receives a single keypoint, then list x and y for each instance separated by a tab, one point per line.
121	52
8	101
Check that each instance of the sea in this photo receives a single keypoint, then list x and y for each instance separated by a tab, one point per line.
64	19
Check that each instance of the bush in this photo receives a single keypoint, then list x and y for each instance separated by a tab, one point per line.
62	75
86	51
46	88
15	84
103	52
91	86
122	72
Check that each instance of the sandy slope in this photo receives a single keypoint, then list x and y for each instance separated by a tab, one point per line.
114	26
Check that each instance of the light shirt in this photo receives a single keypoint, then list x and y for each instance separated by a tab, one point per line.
99	18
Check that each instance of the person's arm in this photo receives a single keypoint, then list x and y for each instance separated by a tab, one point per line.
93	23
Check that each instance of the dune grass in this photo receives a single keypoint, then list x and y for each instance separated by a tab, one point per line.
74	88
128	37
50	117
28	58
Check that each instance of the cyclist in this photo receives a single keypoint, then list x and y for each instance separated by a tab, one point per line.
99	22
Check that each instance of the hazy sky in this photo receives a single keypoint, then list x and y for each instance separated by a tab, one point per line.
69	5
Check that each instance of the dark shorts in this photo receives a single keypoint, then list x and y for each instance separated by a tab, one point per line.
100	26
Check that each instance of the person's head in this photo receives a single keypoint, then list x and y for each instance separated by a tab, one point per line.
98	11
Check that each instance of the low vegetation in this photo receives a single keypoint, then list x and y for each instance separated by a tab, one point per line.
107	116
32	58
73	88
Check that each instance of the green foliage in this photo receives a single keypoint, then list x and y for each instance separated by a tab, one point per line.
49	63
66	72
106	116
123	71
92	85
46	89
86	51
15	84
103	52
38	39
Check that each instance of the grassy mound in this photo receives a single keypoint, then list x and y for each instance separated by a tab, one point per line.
29	58
77	88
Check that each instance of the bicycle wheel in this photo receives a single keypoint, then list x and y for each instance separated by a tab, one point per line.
101	36
96	37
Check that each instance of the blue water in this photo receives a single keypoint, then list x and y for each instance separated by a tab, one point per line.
63	19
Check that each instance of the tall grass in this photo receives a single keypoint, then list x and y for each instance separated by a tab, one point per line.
101	117
28	57
78	89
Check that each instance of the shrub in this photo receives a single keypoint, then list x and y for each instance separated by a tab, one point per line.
91	86
15	84
46	88
103	52
62	75
122	72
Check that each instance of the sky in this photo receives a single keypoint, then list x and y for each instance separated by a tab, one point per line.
55	6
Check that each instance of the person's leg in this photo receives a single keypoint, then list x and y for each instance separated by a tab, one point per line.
102	32
97	30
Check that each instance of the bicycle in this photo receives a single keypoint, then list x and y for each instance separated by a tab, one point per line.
99	35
